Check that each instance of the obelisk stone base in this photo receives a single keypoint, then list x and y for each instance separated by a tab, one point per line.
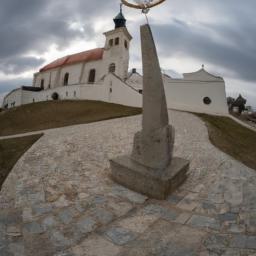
154	183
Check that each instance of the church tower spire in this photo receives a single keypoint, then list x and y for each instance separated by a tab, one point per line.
120	20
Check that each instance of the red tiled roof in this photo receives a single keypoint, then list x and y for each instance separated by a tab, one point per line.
87	56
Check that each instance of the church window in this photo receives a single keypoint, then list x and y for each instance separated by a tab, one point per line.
111	42
42	84
66	94
92	74
112	68
207	100
74	93
125	44
117	41
66	77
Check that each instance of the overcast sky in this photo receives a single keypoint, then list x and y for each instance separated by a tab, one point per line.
188	33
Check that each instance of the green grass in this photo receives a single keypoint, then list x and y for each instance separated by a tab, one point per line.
232	138
53	114
10	152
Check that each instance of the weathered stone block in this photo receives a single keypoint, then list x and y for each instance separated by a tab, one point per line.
154	183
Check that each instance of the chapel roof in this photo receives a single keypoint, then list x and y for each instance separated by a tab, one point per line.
201	74
86	56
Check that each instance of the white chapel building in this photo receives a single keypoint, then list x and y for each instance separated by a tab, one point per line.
102	74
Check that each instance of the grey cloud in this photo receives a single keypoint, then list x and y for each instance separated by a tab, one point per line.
7	85
19	64
230	52
34	25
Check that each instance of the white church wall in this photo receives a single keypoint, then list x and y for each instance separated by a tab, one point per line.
188	96
13	99
94	92
97	65
74	74
121	93
54	74
45	76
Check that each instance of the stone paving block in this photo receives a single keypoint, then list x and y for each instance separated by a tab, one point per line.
17	249
250	220
10	217
174	199
238	241
234	228
207	208
251	242
13	231
228	217
95	246
120	208
166	238
98	199
102	215
33	228
188	203
66	215
86	225
42	209
49	222
61	202
132	196
59	240
64	254
158	210
243	241
176	249
119	236
137	224
216	243
204	222
35	198
27	214
183	218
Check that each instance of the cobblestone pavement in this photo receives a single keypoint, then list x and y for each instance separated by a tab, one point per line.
60	201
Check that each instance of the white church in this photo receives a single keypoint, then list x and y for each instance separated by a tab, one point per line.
102	74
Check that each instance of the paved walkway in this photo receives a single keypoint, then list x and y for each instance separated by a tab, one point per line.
60	201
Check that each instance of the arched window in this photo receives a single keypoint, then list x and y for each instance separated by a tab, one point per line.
125	44
66	77
112	68
111	42
117	41
42	84
92	75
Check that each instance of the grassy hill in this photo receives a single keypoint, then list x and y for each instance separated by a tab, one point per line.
10	152
232	138
53	114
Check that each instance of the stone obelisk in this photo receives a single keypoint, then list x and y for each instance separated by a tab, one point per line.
151	169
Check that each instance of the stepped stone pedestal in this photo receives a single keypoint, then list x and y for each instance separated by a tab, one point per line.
151	169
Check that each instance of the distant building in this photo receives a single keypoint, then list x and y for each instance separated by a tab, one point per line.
102	74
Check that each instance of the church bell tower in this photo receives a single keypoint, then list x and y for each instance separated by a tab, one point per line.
116	50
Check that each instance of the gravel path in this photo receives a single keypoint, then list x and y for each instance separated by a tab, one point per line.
59	199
